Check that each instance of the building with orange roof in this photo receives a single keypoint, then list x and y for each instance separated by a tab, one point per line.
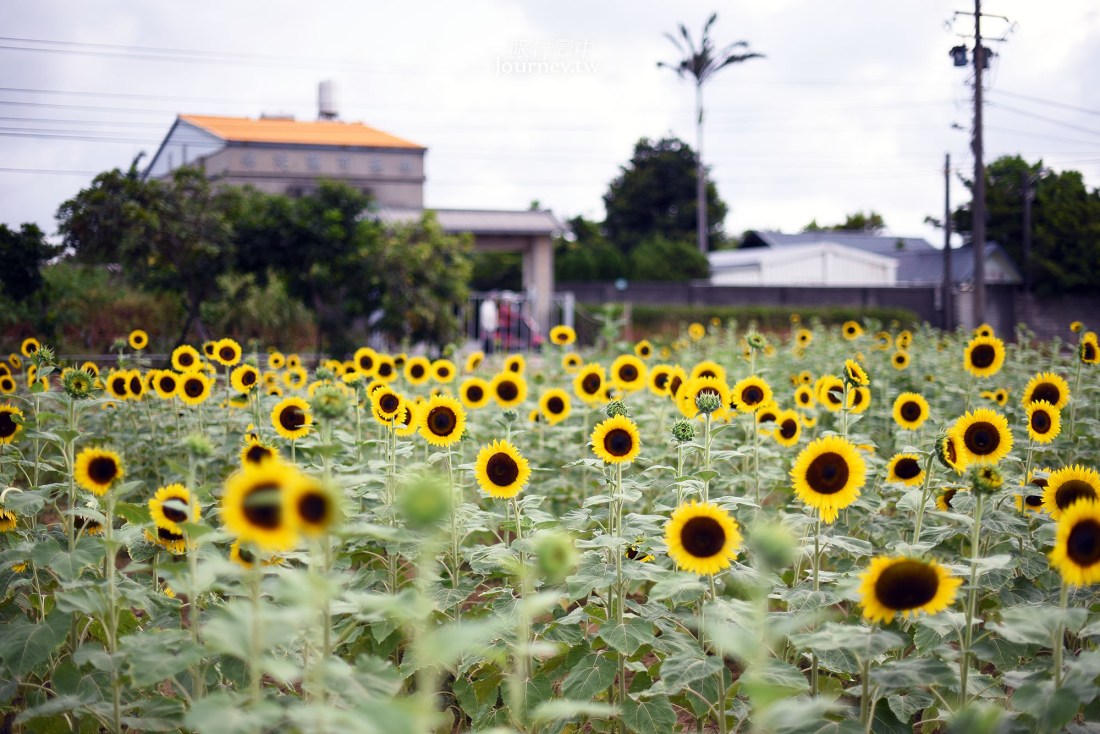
281	155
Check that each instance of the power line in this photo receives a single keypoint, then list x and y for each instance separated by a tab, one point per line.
1086	110
1051	120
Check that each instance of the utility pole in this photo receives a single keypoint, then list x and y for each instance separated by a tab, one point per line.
1029	195
977	210
701	233
948	279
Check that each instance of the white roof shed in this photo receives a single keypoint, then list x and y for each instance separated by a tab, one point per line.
818	263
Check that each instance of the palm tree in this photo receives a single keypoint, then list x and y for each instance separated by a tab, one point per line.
701	64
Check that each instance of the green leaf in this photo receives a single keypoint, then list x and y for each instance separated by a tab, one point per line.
228	713
679	588
682	669
648	715
1036	624
133	513
768	681
593	674
570	709
1051	708
25	644
864	642
152	656
628	636
906	705
913	673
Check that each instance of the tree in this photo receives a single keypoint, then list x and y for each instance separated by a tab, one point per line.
172	236
871	223
661	258
655	195
23	253
587	255
701	63
1065	252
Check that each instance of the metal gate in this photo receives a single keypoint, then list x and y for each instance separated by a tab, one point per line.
517	330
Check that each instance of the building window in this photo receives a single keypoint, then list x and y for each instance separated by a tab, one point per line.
344	162
248	160
406	166
376	165
281	161
313	162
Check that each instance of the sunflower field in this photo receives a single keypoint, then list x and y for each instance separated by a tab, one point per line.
851	529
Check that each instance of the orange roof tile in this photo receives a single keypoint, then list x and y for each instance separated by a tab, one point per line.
293	132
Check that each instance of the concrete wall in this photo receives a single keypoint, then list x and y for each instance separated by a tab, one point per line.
1050	316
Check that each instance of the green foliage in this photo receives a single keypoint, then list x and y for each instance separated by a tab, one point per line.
656	195
587	255
666	319
497	271
23	254
871	223
659	258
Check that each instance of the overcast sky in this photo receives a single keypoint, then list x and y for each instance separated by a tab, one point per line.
852	109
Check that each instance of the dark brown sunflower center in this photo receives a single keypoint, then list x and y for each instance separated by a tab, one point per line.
851	330
982	356
135	385
173	513
788	428
366	363
633	552
208	349
102	469
292	418
514	366
628	373
193	388
416	371
752	395
313	507
1071	491
555	405
1040	422
660	380
707	373
1083	543
1088	351
385	370
442	421
248	379
900	359
1039	482
951	451
911	411
118	385
443	372
827	473
982	438
703	537
907	585
167	383
907	468
256	453
804	397
618	442
167	535
949	495
857	398
674	385
644	351
1034	500
389	403
186	359
474	393
245	555
262	507
228	354
8	427
766	417
502	469
1046	391
507	390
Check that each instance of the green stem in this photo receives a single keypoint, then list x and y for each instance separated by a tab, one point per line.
1075	398
814	686
923	497
254	577
521	672
1058	643
706	456
455	502
971	602
112	616
865	693
720	709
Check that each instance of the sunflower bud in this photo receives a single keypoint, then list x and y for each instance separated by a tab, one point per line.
683	431
947	451
425	500
707	402
78	384
556	556
773	546
329	402
510	416
616	407
756	341
198	445
43	357
324	374
986	479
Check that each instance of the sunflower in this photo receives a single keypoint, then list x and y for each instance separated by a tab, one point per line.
474	392
138	339
9	428
804	397
904	339
245	558
751	393
768	413
474	360
535	416
563	335
8	385
508	389
17	362
256	451
657	379
365	360
227	352
555	405
166	384
275	360
906	469
616	440
854	374
210	348
910	410
1069	485
984	356
87	526
697	331
1089	351
571	362
984	436
905	586
291	418
1044	421
258	505
195	388
417	370
515	363
883	341
676	381
803	337
1076	552
984	330
316	508
501	470
1076	326
702	538
444	371
97	469
830	392
386	405
135	384
8	521
443	420
859	399
244	378
29	346
588	383
172	505
788	428
295	378
170	540
385	369
687	396
409	421
949	451
900	360
708	368
1049	387
943	502
851	330
828	475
